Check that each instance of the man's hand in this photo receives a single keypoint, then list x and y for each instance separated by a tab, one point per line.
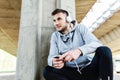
71	55
58	63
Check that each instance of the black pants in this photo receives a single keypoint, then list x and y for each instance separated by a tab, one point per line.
101	68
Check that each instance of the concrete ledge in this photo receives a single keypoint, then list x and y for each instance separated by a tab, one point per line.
7	76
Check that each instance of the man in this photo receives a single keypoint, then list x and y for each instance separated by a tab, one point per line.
72	56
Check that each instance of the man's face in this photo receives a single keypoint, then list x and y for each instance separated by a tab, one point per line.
60	22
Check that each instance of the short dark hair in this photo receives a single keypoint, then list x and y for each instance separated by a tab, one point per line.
59	11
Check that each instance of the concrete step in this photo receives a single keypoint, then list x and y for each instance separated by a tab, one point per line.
7	76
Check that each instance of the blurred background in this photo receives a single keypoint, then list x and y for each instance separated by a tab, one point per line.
102	17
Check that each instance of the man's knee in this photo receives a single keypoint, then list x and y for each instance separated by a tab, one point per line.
46	71
51	73
104	51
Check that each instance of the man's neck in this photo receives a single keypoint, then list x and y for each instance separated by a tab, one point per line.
69	27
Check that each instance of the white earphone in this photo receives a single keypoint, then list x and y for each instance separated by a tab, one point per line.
69	19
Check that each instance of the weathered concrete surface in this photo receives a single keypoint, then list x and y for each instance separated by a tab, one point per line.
36	27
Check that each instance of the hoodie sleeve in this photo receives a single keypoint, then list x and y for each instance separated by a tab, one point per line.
91	43
53	48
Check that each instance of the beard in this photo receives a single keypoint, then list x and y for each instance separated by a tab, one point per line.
63	29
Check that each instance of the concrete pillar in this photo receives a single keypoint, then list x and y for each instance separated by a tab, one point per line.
26	57
36	27
68	5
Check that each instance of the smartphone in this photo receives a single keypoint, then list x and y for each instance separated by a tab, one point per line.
56	57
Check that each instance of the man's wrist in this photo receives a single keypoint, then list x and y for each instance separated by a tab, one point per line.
80	52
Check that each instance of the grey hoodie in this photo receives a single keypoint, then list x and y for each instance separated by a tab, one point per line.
79	37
